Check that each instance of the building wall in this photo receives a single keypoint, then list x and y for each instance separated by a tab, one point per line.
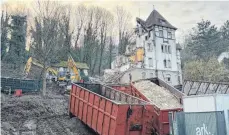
142	73
154	56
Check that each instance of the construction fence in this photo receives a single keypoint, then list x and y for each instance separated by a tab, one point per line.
23	84
199	123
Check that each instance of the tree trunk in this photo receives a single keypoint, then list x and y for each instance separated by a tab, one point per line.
44	82
110	51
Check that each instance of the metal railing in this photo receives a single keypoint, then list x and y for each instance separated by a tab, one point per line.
203	87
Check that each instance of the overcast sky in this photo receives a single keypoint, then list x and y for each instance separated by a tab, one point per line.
183	15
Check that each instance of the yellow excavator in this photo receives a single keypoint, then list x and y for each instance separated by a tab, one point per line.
31	61
72	67
62	76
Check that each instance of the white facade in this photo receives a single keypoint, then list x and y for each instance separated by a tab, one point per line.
161	53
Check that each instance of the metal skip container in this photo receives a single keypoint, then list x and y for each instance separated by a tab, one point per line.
110	112
209	103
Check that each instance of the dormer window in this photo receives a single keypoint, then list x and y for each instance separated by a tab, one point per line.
162	21
160	33
170	35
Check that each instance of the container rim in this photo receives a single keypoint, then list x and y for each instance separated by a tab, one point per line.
144	102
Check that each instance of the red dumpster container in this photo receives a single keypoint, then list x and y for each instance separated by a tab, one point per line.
161	123
111	112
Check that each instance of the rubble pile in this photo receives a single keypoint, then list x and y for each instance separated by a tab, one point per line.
112	77
159	96
34	114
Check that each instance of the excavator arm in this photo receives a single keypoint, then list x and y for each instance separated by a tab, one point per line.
28	67
31	62
72	66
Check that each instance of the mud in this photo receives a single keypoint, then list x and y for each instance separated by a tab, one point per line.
33	114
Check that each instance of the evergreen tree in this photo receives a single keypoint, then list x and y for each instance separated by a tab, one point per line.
4	32
18	40
205	41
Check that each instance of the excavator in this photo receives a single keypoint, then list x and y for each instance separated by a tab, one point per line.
72	66
61	77
31	61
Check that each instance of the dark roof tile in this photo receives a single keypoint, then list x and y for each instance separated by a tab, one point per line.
155	19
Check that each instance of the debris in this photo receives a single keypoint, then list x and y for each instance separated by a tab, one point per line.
30	124
33	114
159	96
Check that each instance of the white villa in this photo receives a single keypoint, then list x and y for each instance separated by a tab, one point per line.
155	54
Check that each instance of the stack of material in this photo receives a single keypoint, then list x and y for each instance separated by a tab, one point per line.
112	76
159	96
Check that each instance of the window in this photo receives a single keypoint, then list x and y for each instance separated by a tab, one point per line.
169	64
146	37
162	48
165	65
149	33
165	40
170	35
143	75
150	62
166	48
169	49
168	78
162	21
160	33
150	47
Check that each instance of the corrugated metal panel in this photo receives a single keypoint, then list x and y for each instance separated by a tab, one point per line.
219	102
199	103
222	104
200	123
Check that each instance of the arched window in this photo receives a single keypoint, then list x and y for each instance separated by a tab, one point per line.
169	63
169	49
166	49
165	65
168	78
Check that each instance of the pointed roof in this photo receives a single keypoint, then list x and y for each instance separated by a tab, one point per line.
155	18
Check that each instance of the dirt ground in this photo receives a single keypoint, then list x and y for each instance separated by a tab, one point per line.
32	114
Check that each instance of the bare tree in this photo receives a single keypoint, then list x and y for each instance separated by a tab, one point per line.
106	24
123	19
80	18
46	34
90	48
66	33
110	48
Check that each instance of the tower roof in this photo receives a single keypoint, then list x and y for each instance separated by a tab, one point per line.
155	18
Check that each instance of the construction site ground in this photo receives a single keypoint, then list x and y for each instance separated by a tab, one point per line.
33	114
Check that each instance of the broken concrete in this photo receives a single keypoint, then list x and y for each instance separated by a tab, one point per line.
159	96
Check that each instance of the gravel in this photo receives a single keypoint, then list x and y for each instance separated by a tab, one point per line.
159	96
33	114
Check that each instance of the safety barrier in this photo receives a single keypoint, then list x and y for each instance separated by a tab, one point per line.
24	85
